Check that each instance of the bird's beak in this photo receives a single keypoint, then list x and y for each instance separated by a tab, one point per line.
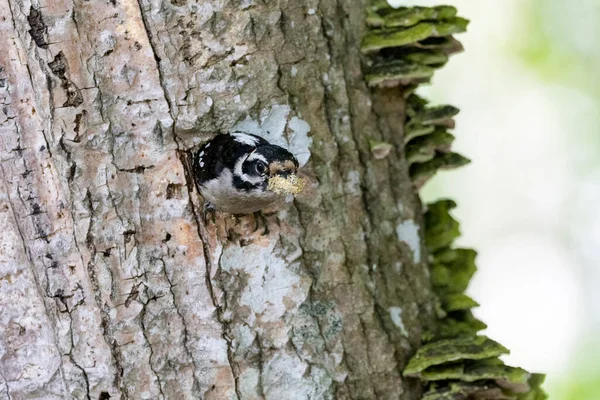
283	173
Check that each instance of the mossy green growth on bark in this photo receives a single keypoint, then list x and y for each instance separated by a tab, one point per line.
403	48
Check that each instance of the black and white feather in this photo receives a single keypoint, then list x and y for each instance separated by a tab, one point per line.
232	172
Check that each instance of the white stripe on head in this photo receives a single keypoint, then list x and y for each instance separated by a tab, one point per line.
255	156
245	139
237	170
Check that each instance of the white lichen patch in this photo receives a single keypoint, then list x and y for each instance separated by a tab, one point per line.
353	182
279	128
285	377
408	232
398	267
273	286
396	316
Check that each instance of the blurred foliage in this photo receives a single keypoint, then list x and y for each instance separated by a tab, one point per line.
552	41
583	380
558	41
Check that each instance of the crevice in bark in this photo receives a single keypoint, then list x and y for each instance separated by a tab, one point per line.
185	327
60	67
202	236
219	309
144	330
158	68
104	308
79	367
6	387
38	29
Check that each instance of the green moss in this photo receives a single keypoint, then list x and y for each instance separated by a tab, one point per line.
424	148
422	172
449	350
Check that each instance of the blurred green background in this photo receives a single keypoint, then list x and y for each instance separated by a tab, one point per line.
528	87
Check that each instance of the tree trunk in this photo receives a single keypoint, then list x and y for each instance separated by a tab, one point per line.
112	286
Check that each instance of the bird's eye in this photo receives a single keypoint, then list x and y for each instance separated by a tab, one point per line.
260	167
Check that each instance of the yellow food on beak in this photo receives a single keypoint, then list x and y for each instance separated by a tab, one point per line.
290	185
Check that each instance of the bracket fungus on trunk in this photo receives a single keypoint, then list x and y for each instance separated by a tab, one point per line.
403	48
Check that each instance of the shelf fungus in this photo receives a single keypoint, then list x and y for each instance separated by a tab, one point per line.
397	72
422	172
379	16
458	302
469	366
378	39
450	350
441	229
406	45
455	362
424	148
428	142
403	48
380	150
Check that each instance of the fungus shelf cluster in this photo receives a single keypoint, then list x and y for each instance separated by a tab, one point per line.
403	47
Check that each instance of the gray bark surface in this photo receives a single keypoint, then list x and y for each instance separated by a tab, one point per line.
111	286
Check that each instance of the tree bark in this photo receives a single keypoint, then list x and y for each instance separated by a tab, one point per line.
112	286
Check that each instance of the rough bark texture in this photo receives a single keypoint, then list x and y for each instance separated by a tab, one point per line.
111	286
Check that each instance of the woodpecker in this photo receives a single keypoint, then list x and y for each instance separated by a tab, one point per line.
236	172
